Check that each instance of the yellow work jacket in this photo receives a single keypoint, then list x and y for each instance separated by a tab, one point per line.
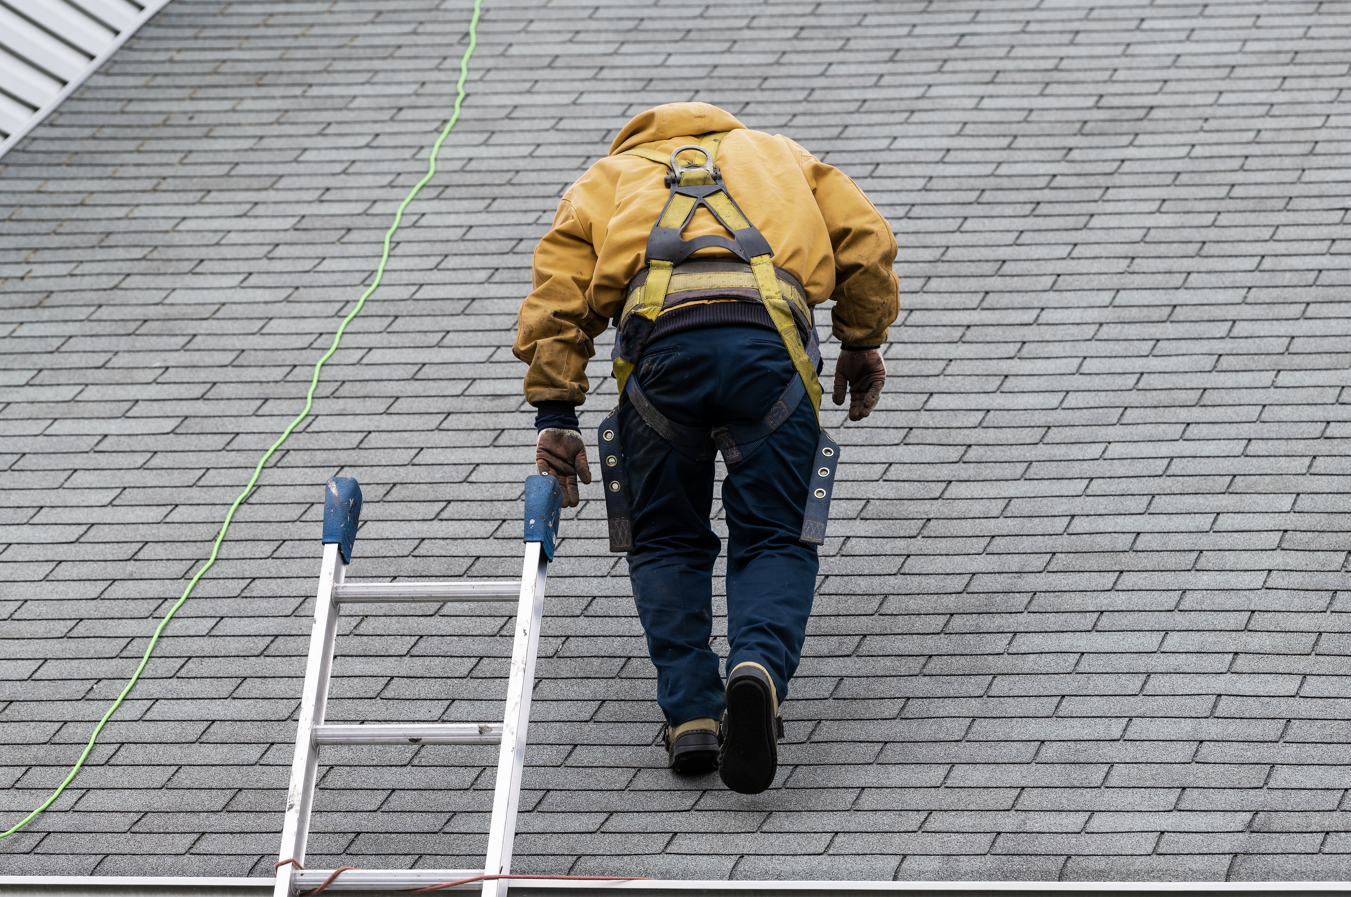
823	231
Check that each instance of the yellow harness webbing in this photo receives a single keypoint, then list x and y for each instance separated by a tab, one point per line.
647	301
782	316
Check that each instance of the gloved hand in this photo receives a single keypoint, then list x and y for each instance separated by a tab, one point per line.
864	373
562	453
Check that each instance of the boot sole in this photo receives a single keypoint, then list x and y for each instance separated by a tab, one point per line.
750	750
695	754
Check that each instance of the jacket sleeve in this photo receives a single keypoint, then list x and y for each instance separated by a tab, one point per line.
866	293
557	329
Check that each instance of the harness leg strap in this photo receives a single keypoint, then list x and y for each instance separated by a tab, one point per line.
617	508
821	480
820	484
697	444
691	442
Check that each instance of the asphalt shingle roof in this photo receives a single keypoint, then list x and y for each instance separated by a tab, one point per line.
1083	612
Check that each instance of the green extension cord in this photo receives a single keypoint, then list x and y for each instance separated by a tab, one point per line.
309	402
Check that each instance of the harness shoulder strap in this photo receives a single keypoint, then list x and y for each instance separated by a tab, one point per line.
782	316
712	142
693	186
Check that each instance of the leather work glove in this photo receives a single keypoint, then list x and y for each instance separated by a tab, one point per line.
864	373
562	453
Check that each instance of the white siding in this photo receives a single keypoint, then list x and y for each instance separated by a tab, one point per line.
48	47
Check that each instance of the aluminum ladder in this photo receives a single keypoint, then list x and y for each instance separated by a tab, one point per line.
342	509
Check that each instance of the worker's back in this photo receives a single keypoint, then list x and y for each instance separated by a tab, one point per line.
821	227
769	176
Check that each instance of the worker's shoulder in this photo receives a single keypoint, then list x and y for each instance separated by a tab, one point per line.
773	150
599	180
766	140
604	175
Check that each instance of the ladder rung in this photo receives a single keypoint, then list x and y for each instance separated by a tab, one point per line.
398	733
381	879
481	590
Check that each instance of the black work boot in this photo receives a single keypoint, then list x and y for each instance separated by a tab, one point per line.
692	747
750	730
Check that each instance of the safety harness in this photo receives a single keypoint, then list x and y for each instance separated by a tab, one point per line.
664	285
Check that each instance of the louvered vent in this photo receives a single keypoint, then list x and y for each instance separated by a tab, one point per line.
48	47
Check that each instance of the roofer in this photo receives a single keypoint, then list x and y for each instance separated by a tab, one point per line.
716	348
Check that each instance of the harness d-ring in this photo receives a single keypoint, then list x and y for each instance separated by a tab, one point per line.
678	169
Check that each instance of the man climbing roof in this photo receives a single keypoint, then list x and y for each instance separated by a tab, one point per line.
708	245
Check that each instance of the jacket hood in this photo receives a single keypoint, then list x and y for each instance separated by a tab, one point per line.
673	120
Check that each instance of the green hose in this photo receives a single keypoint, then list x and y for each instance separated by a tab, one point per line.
309	402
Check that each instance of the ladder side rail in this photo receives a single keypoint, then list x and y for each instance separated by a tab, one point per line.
511	758
300	794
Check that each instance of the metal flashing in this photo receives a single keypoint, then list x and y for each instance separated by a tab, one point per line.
151	886
105	885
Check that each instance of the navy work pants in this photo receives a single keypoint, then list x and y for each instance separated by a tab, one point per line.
706	378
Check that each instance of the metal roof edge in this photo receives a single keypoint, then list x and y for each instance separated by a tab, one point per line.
167	886
83	885
543	888
152	7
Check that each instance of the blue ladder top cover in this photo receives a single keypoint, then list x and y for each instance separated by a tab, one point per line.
342	512
543	502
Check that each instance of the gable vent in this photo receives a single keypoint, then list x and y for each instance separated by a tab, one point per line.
48	48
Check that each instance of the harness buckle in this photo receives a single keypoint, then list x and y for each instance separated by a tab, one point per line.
726	443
